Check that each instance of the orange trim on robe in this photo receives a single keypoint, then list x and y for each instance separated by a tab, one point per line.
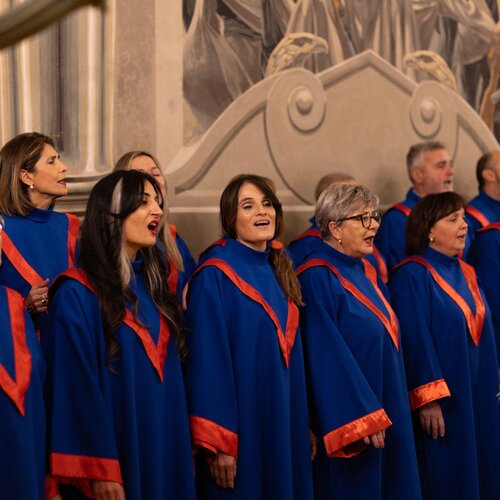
315	233
173	275
73	229
391	325
213	437
80	466
19	262
382	266
427	393
156	353
493	225
286	340
477	214
474	322
402	208
16	387
344	441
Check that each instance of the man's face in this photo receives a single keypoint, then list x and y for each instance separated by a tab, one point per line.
433	173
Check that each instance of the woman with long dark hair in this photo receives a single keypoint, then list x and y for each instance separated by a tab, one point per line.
180	261
245	375
450	355
118	421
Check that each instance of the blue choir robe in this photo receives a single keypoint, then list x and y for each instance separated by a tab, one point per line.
357	384
122	420
441	358
390	237
47	243
177	280
245	381
22	412
480	211
306	243
484	255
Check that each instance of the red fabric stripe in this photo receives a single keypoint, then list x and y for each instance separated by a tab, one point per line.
156	353
402	208
474	322
477	214
489	227
19	262
173	276
287	341
16	388
213	436
73	229
382	266
391	325
315	233
338	443
80	466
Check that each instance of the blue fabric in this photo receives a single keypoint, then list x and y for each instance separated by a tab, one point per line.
301	249
236	377
42	239
120	409
189	265
354	369
390	237
484	255
488	206
465	464
22	438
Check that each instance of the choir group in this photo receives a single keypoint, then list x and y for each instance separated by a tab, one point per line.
361	362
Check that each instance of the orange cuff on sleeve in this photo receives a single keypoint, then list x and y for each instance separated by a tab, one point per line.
424	394
342	442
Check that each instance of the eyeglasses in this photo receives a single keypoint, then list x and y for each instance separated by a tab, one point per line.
366	218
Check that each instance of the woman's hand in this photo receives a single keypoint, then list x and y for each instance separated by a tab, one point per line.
223	470
377	439
37	300
431	419
107	490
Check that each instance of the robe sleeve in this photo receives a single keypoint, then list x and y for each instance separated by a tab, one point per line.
81	442
411	290
346	408
211	391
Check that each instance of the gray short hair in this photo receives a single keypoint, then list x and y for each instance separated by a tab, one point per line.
416	151
342	200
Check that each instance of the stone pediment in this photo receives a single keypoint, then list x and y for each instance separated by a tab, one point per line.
359	117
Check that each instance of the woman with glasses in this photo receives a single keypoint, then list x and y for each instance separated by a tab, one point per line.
22	415
450	356
353	357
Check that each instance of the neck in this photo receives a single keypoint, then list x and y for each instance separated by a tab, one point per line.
449	252
40	201
493	191
418	190
260	246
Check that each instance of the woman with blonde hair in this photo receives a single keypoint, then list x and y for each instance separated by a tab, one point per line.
180	261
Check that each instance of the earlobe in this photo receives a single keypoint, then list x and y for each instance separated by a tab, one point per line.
26	177
335	230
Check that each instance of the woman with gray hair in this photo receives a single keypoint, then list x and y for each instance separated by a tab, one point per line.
353	357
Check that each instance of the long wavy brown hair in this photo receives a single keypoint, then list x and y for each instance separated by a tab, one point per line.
279	260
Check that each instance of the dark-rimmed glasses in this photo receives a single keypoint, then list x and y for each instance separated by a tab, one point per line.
365	219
